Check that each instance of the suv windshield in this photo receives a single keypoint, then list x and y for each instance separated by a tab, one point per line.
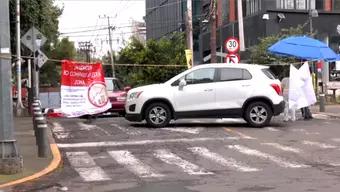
113	85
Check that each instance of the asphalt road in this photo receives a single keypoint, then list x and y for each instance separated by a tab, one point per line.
211	155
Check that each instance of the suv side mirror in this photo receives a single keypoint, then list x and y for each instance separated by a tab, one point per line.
182	83
126	89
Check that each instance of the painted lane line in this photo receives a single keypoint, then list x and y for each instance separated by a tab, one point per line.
230	120
283	148
173	159
281	162
83	163
184	130
272	129
127	130
141	142
227	162
241	135
60	132
320	116
336	139
318	144
126	159
306	132
57	127
86	127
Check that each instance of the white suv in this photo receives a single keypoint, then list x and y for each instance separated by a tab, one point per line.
248	91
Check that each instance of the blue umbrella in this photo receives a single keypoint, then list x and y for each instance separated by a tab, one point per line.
303	47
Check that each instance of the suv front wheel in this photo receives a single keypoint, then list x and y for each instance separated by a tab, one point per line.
258	114
158	115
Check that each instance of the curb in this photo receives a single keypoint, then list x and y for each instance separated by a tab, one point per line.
51	167
329	115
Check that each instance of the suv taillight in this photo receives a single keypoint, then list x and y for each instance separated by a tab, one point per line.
277	88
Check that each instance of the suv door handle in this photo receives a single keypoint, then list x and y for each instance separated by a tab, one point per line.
207	89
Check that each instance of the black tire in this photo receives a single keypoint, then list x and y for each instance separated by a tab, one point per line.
258	114
122	114
157	115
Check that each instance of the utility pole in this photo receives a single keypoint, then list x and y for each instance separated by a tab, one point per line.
240	25
86	47
19	105
10	160
110	43
213	31
190	42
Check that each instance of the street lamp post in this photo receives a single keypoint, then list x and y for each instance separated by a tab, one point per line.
314	13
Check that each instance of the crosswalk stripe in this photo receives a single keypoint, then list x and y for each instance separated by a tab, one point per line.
281	162
272	129
184	130
229	162
83	163
318	144
127	130
284	148
87	127
173	159
336	139
142	142
60	132
133	164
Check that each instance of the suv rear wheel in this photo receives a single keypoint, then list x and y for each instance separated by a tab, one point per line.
258	114
158	115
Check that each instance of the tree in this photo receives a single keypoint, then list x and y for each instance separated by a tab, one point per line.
166	51
42	14
50	72
260	55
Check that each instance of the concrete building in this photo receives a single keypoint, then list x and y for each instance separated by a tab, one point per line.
261	18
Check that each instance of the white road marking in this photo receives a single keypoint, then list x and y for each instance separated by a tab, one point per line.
318	144
127	130
283	148
320	116
230	120
83	163
272	129
87	127
242	136
306	132
141	142
173	159
228	162
60	132
281	162
336	139
184	130
133	164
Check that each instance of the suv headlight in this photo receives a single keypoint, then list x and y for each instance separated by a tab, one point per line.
135	95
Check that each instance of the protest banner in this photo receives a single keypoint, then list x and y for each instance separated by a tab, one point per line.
83	89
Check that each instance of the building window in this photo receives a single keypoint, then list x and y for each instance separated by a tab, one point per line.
251	7
293	4
337	5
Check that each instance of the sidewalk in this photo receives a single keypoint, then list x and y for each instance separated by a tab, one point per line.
332	110
33	166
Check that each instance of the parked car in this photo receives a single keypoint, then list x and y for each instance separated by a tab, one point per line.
247	91
117	94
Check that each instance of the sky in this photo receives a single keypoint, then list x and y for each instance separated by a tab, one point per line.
89	15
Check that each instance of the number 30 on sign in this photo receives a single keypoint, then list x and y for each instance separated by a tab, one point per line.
232	45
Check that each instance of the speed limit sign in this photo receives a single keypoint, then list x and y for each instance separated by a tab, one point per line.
232	45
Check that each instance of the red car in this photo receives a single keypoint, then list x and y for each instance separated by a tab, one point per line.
117	95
